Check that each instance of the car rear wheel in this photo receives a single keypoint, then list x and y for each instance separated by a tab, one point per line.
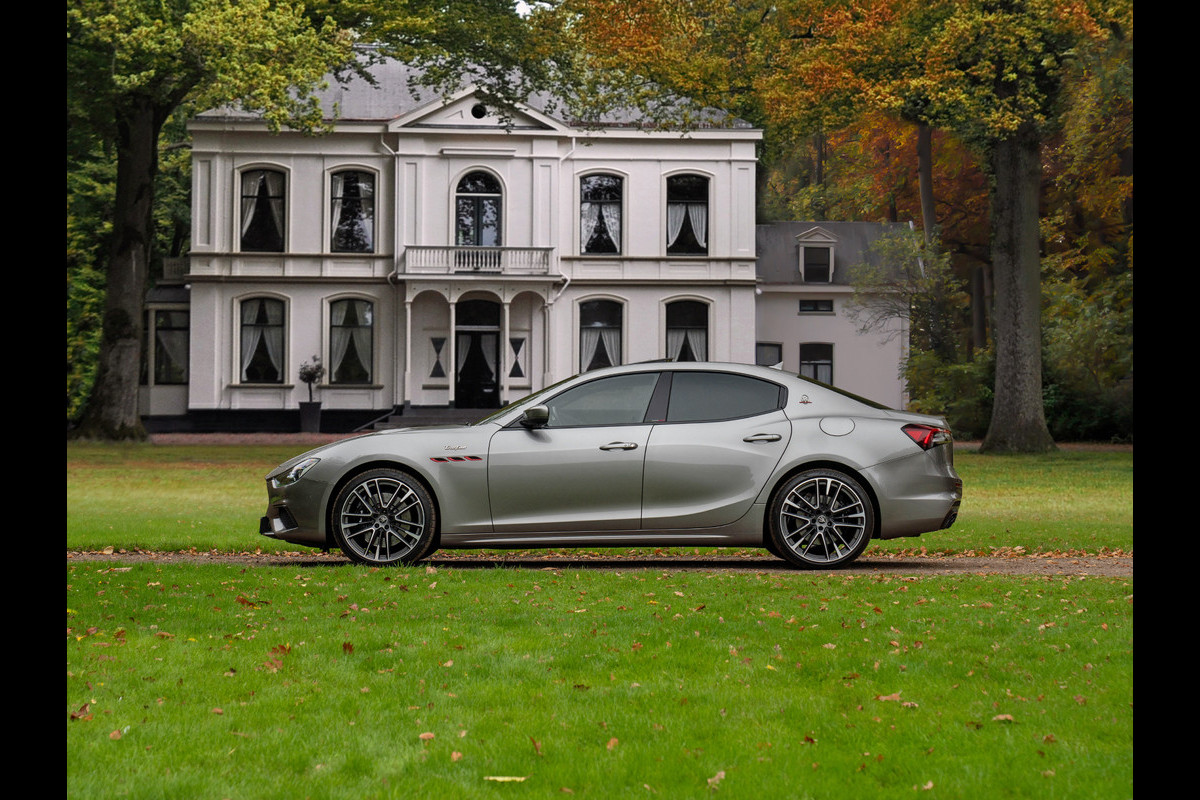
821	518
383	517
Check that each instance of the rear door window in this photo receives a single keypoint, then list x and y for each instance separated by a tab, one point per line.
710	396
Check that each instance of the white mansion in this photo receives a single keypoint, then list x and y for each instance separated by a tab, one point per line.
433	254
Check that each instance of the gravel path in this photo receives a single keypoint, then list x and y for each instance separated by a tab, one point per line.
738	561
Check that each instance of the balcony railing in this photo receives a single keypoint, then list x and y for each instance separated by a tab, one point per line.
420	259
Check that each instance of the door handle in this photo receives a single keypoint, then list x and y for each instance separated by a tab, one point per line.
619	446
763	437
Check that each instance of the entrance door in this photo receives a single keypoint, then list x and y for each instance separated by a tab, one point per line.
477	383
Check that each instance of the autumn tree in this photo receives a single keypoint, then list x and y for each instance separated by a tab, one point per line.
991	71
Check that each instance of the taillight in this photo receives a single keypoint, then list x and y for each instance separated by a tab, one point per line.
927	436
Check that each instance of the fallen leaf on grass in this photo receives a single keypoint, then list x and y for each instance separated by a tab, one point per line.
895	696
1003	718
612	743
84	712
716	779
425	737
537	746
456	756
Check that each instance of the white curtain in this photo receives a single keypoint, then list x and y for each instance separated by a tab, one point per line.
675	215
675	337
698	214
612	220
589	338
698	341
612	344
250	182
335	189
589	218
275	190
488	342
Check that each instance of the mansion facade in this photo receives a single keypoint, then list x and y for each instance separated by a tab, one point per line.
432	253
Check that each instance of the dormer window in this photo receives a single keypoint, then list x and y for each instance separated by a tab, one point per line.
816	263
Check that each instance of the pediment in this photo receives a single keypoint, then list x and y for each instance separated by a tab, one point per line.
816	236
465	110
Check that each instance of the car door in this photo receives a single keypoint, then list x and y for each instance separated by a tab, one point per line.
721	439
583	470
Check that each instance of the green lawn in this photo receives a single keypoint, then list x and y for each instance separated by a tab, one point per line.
219	681
339	681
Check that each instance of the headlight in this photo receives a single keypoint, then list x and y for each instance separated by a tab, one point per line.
295	473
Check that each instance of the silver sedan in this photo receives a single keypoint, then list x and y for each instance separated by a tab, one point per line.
654	454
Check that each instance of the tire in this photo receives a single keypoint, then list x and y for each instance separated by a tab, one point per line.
384	517
821	518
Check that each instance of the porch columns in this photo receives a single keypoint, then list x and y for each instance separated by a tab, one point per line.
505	347
407	398
453	350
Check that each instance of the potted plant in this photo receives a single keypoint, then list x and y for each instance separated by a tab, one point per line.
310	413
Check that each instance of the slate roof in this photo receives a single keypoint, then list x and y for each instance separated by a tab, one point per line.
778	250
396	94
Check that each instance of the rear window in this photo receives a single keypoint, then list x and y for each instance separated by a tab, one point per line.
708	396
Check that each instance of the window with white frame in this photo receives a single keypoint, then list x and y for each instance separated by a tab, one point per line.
351	341
816	361
262	340
687	215
599	334
263	210
816	264
352	195
687	330
600	214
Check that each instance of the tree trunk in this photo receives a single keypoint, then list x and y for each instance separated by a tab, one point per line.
1018	422
925	179
112	408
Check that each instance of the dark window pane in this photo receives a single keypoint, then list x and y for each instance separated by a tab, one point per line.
768	355
698	396
262	211
351	341
687	215
816	265
353	212
619	400
816	362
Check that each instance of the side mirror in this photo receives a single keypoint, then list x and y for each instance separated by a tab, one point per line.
535	417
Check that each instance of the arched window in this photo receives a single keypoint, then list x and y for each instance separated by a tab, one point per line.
599	334
352	194
687	331
262	340
351	329
478	202
263	210
600	214
687	215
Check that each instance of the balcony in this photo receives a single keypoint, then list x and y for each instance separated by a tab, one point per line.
423	260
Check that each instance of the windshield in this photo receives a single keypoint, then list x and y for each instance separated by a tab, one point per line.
539	393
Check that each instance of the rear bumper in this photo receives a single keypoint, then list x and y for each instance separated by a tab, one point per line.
918	494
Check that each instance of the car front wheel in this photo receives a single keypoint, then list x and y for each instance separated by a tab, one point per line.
821	518
384	517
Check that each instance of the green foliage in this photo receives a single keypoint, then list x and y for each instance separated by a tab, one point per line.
959	391
341	682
